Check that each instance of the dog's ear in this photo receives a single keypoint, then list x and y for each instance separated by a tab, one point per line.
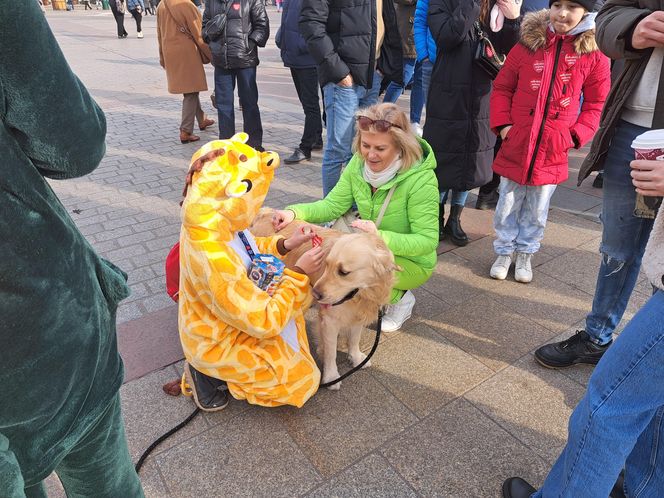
384	262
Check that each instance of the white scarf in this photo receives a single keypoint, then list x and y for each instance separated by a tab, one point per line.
380	178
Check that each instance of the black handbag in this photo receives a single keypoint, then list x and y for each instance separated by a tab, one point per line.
486	56
216	26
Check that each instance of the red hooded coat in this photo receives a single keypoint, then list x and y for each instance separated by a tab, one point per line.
538	92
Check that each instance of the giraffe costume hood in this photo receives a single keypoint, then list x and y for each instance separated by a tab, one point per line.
230	329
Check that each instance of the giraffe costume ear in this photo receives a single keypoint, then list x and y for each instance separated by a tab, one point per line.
269	161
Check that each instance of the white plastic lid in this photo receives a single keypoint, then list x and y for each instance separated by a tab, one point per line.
653	139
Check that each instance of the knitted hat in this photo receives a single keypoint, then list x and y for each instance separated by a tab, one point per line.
589	5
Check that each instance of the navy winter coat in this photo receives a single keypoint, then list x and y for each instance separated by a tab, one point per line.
294	51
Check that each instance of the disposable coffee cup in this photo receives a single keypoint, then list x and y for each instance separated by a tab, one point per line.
648	146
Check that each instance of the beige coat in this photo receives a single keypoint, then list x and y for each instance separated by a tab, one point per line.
178	53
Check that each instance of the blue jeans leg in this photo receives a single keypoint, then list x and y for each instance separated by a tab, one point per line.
532	218
369	96
394	90
624	238
251	115
224	90
427	69
417	95
341	103
458	197
619	420
506	218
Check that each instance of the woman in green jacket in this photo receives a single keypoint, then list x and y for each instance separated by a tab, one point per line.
388	157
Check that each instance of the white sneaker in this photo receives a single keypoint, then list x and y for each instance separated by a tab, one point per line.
417	129
139	34
500	267
522	270
396	314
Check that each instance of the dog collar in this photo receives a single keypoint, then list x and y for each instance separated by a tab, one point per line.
347	297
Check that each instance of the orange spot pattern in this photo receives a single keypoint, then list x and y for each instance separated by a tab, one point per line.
229	328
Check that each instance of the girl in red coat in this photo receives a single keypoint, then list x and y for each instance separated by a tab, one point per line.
535	108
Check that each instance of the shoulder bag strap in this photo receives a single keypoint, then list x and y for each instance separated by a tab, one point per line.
181	26
383	208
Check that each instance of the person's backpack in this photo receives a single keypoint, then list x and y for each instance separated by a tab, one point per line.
173	272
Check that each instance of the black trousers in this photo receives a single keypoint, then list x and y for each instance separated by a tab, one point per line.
138	17
119	18
306	84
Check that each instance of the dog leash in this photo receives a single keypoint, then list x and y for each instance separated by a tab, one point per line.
164	437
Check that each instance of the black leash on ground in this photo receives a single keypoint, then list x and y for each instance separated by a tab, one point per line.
191	417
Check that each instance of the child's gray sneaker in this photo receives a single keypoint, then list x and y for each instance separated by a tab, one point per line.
523	272
500	267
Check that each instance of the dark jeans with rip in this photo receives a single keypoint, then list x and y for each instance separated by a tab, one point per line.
624	238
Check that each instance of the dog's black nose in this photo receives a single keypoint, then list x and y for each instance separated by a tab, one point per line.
317	295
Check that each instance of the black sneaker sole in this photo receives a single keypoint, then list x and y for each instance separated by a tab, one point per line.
558	366
190	381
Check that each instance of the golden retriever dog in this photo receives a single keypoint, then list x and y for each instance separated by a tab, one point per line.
353	284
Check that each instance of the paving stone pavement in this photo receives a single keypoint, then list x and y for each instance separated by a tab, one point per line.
452	404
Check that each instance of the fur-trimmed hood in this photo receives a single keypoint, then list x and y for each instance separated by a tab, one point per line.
535	30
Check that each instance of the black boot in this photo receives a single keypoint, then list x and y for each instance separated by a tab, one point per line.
441	222
210	394
453	228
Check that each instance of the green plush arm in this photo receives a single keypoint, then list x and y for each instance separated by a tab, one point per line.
47	109
337	202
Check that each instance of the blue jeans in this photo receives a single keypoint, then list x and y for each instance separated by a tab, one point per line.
624	238
620	420
411	70
520	217
458	197
224	90
427	69
341	104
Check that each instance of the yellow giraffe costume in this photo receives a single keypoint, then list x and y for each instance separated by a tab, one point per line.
230	329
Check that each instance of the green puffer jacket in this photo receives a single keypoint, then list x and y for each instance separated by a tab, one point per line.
410	224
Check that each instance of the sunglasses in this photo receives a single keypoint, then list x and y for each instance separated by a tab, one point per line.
380	125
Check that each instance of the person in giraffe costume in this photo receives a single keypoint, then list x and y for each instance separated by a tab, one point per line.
236	337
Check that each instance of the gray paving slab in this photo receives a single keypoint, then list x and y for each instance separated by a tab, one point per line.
252	455
371	477
458	451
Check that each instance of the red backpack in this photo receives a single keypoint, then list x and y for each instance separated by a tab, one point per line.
173	272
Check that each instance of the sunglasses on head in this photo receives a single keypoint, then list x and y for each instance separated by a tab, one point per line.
380	125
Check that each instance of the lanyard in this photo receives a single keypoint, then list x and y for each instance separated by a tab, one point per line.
247	246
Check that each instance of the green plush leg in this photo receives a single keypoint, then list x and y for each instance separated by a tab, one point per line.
411	276
36	491
99	465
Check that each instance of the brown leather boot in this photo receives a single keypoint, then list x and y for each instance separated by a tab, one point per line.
206	122
188	137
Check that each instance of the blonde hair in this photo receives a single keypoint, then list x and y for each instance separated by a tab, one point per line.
401	133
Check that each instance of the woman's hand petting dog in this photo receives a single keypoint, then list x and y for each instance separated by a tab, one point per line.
367	226
281	218
298	238
648	177
311	261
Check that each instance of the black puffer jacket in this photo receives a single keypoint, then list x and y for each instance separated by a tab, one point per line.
341	36
247	27
457	125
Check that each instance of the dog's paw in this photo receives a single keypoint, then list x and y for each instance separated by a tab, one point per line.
330	377
359	358
335	387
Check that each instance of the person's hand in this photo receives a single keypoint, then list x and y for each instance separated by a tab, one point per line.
505	131
649	32
511	9
367	226
347	82
311	261
281	218
648	177
305	234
